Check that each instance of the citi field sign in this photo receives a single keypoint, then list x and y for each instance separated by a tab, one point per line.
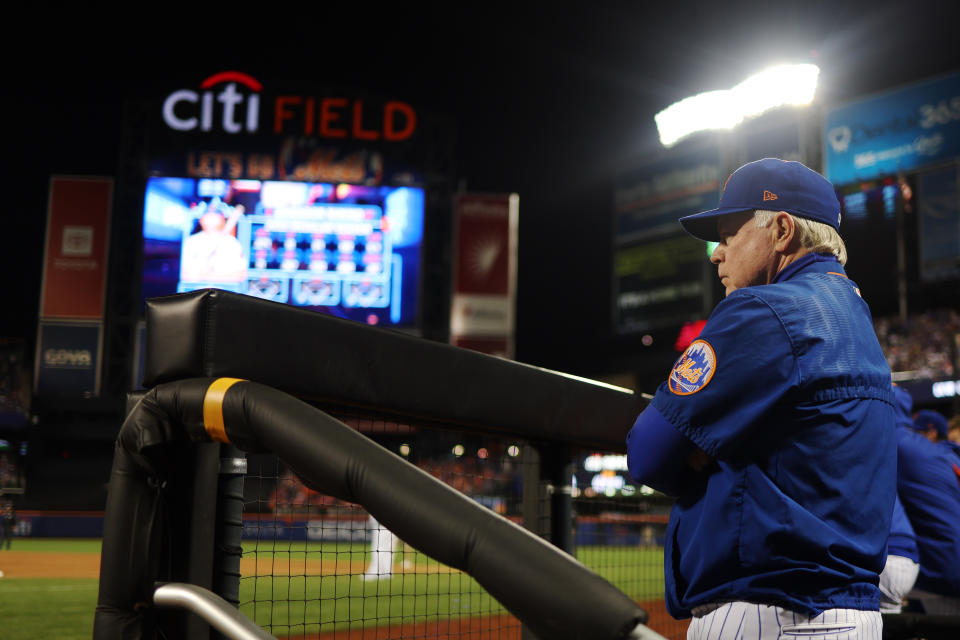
231	102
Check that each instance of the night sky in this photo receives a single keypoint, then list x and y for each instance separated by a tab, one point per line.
551	99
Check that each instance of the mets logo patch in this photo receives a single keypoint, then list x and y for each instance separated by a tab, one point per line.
694	369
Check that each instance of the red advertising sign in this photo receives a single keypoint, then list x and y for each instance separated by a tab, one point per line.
485	266
77	239
484	245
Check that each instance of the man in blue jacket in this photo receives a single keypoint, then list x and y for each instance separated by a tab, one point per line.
775	428
928	483
931	424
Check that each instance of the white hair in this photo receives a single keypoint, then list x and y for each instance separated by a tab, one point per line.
816	237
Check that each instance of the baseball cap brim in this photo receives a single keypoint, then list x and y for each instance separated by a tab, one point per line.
704	225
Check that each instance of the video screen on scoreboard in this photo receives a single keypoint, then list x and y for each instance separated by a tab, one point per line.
353	251
605	475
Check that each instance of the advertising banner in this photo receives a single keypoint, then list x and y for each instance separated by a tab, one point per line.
938	210
657	268
77	242
649	199
899	130
68	357
659	282
485	272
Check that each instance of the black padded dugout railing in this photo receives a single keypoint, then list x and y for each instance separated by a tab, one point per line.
341	365
330	362
326	363
529	576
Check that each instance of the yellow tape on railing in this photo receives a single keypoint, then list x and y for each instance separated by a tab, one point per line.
213	408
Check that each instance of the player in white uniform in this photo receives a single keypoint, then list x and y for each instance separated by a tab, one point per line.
384	544
214	254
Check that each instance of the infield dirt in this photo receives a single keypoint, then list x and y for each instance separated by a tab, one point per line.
38	564
43	564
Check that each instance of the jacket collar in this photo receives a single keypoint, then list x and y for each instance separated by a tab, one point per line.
811	263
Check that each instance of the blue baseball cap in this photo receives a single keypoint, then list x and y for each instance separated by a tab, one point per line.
927	419
771	184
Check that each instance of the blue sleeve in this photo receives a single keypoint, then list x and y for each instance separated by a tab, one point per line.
657	453
730	377
903	540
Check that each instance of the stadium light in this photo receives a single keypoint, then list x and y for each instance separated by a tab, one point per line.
724	109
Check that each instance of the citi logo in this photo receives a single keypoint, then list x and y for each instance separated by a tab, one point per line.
188	110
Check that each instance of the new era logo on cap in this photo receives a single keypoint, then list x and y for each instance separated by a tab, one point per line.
769	195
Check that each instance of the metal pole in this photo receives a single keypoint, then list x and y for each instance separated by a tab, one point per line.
530	507
901	253
219	613
643	632
531	498
558	475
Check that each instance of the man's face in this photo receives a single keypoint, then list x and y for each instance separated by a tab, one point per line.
212	221
745	255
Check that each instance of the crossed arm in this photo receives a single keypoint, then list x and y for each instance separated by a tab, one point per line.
661	457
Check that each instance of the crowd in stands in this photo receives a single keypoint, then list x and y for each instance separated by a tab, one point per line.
290	495
923	345
14	384
11	476
470	475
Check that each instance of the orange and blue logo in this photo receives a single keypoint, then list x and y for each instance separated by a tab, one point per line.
694	370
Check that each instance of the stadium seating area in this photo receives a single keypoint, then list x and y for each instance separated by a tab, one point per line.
921	345
470	475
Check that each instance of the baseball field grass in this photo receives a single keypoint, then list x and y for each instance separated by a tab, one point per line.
49	587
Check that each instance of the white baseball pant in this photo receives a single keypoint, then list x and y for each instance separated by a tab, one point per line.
749	621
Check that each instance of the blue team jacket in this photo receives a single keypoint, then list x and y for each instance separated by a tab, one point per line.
787	389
